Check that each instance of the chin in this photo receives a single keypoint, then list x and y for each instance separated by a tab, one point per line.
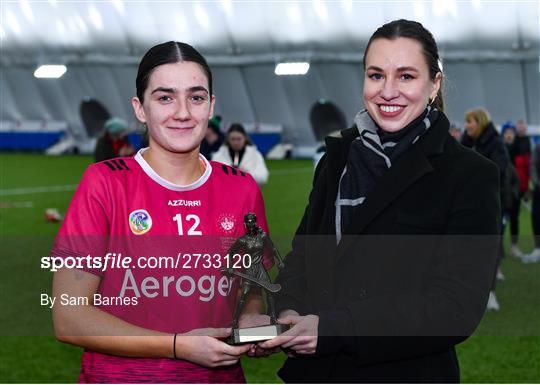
184	149
184	145
180	148
390	126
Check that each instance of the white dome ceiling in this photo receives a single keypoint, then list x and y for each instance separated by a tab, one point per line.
232	32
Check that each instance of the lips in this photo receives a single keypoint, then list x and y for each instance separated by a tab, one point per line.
389	111
181	128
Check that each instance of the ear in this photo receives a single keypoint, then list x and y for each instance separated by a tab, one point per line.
138	109
436	85
212	104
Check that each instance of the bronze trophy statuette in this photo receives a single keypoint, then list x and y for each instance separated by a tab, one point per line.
254	243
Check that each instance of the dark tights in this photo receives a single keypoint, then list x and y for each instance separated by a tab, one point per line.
535	216
514	220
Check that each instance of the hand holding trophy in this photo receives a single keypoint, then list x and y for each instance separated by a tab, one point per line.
255	243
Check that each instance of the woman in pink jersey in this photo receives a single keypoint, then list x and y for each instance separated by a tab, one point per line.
169	325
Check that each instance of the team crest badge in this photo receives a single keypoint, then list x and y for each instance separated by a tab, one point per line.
227	223
140	221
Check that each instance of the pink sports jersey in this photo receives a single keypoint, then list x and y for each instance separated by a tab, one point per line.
122	207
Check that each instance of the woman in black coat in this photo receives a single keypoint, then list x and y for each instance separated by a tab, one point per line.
482	137
392	263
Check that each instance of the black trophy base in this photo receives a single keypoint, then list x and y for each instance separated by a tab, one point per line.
255	334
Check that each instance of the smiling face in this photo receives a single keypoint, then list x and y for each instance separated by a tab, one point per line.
472	127
397	84
177	106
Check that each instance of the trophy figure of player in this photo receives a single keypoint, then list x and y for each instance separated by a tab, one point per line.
255	243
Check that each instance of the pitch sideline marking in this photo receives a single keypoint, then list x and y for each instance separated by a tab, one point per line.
72	187
35	190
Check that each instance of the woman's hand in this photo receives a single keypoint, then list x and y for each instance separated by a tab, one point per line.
301	338
249	320
204	347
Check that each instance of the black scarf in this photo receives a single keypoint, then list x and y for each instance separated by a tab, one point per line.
371	154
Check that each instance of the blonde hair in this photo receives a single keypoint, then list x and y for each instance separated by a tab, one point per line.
480	115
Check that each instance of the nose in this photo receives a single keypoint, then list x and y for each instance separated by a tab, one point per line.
389	90
182	110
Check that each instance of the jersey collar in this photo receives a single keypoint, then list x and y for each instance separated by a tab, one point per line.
165	183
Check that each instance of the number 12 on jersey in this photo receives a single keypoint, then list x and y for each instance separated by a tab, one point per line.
191	219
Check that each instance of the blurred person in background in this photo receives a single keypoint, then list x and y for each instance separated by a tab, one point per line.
510	188
379	286
520	155
113	143
213	138
455	131
481	135
508	133
534	256
240	153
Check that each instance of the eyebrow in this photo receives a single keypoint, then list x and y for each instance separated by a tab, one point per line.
407	69
198	88
164	89
173	90
400	69
374	68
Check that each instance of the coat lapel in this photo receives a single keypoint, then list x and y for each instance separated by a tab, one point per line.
407	170
337	151
413	165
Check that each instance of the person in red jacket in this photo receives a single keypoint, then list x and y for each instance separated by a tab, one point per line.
520	154
534	256
113	142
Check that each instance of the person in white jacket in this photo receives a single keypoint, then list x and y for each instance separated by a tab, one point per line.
239	152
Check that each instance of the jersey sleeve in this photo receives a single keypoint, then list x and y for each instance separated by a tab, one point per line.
85	229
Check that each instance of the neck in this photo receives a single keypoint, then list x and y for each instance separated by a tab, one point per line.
178	168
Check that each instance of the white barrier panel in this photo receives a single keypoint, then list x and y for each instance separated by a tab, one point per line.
33	126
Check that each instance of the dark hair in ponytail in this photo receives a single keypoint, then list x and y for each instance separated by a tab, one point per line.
416	31
167	53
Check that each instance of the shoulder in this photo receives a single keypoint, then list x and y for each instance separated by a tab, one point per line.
113	166
493	139
237	185
117	171
231	176
469	164
252	152
462	154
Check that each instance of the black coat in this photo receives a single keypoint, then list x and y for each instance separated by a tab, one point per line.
490	145
393	285
105	147
208	149
521	146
